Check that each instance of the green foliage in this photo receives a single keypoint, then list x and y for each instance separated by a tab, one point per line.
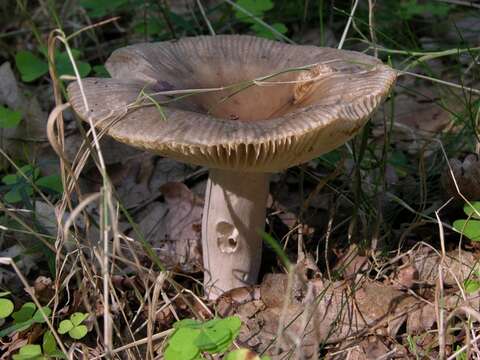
65	67
262	31
50	346
258	8
20	188
150	27
255	7
100	71
34	352
277	248
9	118
399	161
469	227
6	305
471	285
97	8
74	327
29	352
32	67
462	355
192	337
26	317
410	8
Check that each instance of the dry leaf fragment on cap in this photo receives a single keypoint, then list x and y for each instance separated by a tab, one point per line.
241	113
308	80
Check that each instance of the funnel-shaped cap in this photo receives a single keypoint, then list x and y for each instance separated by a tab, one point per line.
304	102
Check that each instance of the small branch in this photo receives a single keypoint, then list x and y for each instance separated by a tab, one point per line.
347	26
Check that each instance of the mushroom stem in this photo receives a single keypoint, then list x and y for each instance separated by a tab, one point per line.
234	213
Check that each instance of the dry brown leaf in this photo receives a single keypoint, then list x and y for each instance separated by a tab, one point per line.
406	277
43	288
466	175
370	348
329	312
173	228
457	266
351	263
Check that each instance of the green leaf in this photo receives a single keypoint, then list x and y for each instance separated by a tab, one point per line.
30	66
9	118
255	7
65	326
16	328
6	308
4	293
15	196
472	210
28	352
10	179
38	316
276	248
151	27
233	323
187	352
469	228
78	332
218	334
211	339
183	336
97	8
51	182
28	170
49	343
25	313
100	71
77	318
64	66
471	286
190	323
192	336
265	32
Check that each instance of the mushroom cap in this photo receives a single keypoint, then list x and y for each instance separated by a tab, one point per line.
286	117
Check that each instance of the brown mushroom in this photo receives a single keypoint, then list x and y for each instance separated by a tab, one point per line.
194	100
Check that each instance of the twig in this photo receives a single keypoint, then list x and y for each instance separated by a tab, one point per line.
373	37
347	26
204	15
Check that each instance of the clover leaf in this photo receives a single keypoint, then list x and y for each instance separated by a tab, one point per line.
73	326
25	317
29	352
6	305
469	227
192	337
9	118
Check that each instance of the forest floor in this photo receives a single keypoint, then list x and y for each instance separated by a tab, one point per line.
381	234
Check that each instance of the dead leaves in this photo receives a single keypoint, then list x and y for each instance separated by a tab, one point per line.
464	174
173	228
352	316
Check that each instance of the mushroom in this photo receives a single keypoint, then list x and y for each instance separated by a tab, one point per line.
194	100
